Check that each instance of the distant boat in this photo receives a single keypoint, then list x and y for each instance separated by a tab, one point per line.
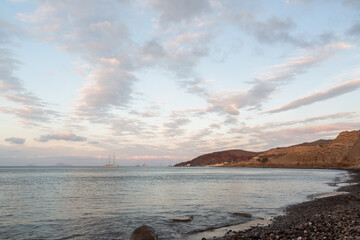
138	165
170	165
111	165
144	165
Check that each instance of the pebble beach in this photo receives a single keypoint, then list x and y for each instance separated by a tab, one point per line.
334	217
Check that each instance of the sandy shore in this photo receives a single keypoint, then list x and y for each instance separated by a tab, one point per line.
333	217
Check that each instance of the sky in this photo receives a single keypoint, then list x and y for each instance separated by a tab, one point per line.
161	82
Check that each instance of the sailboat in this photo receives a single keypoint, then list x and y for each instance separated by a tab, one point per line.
111	165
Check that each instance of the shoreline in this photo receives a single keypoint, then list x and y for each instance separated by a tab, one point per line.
328	217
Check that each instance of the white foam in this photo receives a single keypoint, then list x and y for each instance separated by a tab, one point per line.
328	194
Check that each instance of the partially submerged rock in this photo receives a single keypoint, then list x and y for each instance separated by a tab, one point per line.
183	219
242	214
144	233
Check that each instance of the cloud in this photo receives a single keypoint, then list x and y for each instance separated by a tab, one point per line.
153	49
352	3
288	136
32	109
101	36
128	126
268	136
110	87
149	114
274	134
240	99
65	136
312	119
31	115
202	134
95	32
15	140
273	30
179	54
197	86
174	127
335	91
180	10
230	102
299	65
8	32
354	30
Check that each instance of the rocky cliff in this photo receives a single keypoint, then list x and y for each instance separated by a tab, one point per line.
342	152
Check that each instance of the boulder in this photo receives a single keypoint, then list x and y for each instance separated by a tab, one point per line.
183	219
144	233
242	214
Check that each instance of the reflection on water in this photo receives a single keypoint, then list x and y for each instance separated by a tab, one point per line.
97	202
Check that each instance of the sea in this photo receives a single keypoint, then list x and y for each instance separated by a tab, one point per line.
109	203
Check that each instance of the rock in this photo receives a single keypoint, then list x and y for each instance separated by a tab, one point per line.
144	233
183	219
242	214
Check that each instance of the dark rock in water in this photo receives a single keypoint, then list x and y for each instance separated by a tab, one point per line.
144	233
242	214
183	219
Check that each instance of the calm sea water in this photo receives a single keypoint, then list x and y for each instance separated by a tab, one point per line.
109	203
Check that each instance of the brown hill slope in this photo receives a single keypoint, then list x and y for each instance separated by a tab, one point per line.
315	143
223	157
342	152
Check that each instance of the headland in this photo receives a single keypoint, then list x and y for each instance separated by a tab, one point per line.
343	152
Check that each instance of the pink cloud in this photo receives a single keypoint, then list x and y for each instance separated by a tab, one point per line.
335	91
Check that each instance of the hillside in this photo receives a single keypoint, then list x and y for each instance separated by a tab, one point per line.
315	143
223	157
342	152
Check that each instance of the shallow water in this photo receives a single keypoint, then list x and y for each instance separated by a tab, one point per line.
109	203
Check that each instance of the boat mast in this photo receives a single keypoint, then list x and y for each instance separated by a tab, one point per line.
109	159
114	158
